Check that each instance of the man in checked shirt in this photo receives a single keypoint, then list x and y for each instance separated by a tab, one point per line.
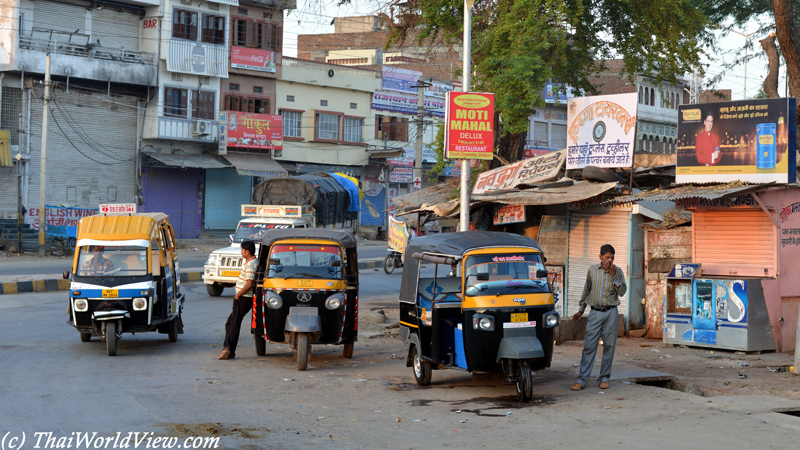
605	283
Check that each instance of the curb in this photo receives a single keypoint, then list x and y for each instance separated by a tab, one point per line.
49	285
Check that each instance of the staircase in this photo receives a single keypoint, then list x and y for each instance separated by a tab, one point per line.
9	234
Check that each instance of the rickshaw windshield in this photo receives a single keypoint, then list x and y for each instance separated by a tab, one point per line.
255	231
306	261
108	261
504	274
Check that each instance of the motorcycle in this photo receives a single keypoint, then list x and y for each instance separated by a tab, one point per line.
393	259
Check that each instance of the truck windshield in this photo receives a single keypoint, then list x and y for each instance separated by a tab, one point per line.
111	261
504	274
255	231
306	261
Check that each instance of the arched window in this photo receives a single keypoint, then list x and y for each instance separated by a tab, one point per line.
672	101
640	95
646	96
652	97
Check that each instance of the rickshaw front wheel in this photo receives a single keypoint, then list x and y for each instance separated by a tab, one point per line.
347	352
261	345
111	338
86	337
422	369
524	382
302	351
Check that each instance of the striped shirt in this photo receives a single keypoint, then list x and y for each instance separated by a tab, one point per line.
601	289
248	273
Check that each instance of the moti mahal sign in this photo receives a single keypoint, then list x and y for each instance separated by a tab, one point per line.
469	125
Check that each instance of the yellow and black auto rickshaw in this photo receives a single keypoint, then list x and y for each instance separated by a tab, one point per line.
487	306
125	278
308	292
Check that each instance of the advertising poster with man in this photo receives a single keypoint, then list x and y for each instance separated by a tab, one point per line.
747	140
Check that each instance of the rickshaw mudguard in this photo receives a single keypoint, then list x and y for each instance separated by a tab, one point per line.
519	343
303	320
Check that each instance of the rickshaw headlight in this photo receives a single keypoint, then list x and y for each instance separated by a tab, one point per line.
483	322
551	320
274	301
139	304
81	305
334	301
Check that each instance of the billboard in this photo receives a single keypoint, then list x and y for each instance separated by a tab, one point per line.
249	130
399	79
747	140
253	59
406	103
469	125
601	131
527	171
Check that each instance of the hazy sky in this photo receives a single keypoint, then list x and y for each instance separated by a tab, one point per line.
315	16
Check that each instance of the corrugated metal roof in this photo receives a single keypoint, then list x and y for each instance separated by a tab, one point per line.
690	191
256	165
195	161
580	190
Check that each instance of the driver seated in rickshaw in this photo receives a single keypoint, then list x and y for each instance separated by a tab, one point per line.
98	265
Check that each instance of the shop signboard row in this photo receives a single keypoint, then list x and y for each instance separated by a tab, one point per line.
527	171
248	130
749	140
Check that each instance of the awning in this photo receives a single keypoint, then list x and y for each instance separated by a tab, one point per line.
388	153
425	197
256	165
188	160
543	195
353	171
708	192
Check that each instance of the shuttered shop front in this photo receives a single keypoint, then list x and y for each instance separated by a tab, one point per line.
115	29
174	192
59	17
734	242
226	191
588	231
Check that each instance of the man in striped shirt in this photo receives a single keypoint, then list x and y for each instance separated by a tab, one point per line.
242	301
605	283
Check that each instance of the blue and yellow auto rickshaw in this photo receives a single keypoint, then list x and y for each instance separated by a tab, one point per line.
487	306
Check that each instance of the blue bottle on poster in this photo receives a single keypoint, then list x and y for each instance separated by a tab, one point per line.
765	146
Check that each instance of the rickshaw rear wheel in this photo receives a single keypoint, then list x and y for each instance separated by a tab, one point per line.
172	334
111	338
422	369
524	382
214	290
302	351
86	337
388	264
347	351
261	345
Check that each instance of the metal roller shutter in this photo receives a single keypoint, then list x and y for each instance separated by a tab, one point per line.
59	17
735	242
174	192
115	29
587	232
226	191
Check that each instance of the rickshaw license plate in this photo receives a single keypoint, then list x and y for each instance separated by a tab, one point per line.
230	273
519	317
304	283
110	293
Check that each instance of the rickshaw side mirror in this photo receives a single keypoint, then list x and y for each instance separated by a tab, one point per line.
336	263
483	277
541	273
274	262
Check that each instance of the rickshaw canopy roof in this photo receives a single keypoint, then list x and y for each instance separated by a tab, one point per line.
343	238
120	226
455	245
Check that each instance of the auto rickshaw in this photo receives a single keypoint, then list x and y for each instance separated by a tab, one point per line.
489	309
308	292
125	278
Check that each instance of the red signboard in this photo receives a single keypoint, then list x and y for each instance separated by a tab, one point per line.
469	125
248	130
253	59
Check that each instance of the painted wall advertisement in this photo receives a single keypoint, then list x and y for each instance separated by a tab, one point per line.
248	130
527	171
253	59
59	216
749	140
372	206
601	131
469	125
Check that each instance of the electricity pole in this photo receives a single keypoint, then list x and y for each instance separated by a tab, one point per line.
42	169
420	123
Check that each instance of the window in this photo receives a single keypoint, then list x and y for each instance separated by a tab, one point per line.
641	97
234	86
291	123
242	12
203	105
652	97
323	103
175	101
213	29
353	129
394	128
257	34
184	24
245	104
290	98
258	90
646	96
353	105
327	127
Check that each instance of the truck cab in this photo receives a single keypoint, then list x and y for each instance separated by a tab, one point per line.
223	265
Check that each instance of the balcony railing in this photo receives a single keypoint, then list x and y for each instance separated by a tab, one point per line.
198	130
74	44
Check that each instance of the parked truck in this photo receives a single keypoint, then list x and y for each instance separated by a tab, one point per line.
223	265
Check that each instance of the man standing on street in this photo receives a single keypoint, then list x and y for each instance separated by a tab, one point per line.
605	283
242	301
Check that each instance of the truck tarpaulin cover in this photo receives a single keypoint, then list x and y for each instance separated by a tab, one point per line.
329	199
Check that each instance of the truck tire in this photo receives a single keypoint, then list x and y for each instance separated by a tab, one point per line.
214	290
